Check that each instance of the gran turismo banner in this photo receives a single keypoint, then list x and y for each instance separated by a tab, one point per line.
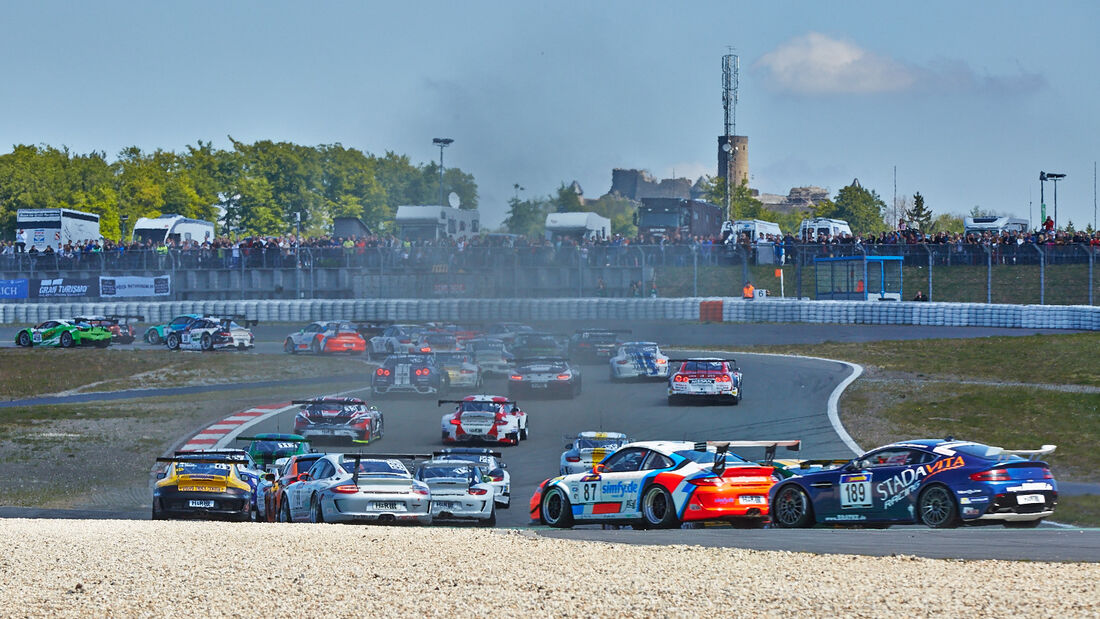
159	286
63	287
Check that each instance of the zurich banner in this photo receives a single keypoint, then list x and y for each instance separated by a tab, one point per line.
63	287
135	286
14	289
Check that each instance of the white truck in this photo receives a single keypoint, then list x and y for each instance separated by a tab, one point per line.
578	226
56	226
819	227
757	229
175	227
994	225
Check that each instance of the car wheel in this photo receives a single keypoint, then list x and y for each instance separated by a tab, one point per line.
153	337
315	347
937	508
658	509
491	521
523	433
157	515
1022	524
173	341
792	508
284	513
556	510
289	347
381	427
316	512
580	386
24	339
736	400
66	340
207	342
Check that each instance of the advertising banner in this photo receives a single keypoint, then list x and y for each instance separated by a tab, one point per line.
14	289
63	287
135	286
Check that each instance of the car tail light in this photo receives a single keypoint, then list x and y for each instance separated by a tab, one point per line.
423	371
706	481
405	341
679	378
497	477
662	361
478	491
1046	474
425	349
572	458
346	489
420	491
468	371
725	378
516	377
991	475
382	372
563	377
623	361
456	421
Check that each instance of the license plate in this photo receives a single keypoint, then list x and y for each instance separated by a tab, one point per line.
200	503
447	504
202	488
753	500
702	381
476	430
1028	499
538	385
388	505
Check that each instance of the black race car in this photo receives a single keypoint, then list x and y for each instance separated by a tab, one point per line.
552	376
594	345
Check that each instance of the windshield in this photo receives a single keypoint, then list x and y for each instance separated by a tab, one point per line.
707	457
452	358
440	339
376	468
449	471
659	219
202	468
536	341
275	448
420	359
640	350
599	443
543	366
702	366
600	338
489	407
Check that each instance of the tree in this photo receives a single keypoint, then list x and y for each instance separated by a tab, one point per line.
920	215
945	222
527	217
619	210
743	205
567	200
863	209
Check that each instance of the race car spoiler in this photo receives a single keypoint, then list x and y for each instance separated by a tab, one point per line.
247	322
542	359
1032	454
442	402
721	447
327	401
713	359
594	330
276	440
479	451
207	458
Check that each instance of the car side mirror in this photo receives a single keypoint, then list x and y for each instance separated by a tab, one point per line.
568	446
161	475
486	479
599	468
503	465
303	477
269	477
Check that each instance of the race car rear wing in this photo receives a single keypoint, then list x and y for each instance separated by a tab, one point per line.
467	450
1031	454
121	317
326	401
242	320
594	330
359	457
442	402
711	359
206	458
721	447
541	358
276	440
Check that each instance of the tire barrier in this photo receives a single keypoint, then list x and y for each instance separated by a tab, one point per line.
732	309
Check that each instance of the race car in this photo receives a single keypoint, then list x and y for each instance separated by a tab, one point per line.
491	356
594	345
336	418
394	340
211	484
436	341
269	506
358	488
211	333
266	448
326	336
940	483
461	333
704	378
507	331
550	376
63	333
460	491
538	344
662	484
122	330
409	374
588	449
461	370
638	360
157	334
497	470
484	418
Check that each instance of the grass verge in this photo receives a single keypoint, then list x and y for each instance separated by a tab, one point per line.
1082	510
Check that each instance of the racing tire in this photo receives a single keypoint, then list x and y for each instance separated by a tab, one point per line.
936	508
579	387
658	510
507	505
173	341
315	347
556	510
289	347
207	342
24	339
153	337
523	433
316	511
66	340
1022	524
157	515
491	521
735	400
284	513
792	509
381	428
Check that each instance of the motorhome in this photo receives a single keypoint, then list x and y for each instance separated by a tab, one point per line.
757	230
994	225
170	227
56	226
430	223
577	226
671	218
823	227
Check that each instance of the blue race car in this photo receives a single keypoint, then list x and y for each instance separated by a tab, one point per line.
938	483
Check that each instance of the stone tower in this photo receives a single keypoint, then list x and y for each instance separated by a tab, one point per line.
734	164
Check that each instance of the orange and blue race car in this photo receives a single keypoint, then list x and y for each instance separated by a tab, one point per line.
326	336
663	484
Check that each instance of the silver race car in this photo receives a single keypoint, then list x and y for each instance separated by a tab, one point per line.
638	360
499	477
359	488
491	356
460	369
588	449
460	490
704	378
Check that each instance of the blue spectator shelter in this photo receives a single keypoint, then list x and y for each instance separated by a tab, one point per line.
858	278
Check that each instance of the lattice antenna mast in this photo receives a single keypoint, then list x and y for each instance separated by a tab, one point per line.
730	66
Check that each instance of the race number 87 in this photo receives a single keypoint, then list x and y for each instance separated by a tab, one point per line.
588	491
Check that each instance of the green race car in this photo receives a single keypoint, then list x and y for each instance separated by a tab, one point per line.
158	334
266	448
64	333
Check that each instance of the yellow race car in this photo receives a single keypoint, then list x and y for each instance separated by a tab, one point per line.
205	485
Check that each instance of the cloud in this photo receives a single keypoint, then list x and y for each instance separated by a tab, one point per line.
816	64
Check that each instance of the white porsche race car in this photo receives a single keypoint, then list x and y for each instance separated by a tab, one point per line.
211	333
638	360
485	419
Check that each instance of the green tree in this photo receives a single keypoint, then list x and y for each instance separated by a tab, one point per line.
919	216
567	200
527	217
743	205
946	222
862	208
619	210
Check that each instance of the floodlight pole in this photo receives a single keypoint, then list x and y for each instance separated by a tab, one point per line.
441	143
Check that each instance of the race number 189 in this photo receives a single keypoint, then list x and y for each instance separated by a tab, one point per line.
855	491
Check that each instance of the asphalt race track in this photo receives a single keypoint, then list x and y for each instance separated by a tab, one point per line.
785	398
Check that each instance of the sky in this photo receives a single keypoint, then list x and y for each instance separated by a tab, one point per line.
969	101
